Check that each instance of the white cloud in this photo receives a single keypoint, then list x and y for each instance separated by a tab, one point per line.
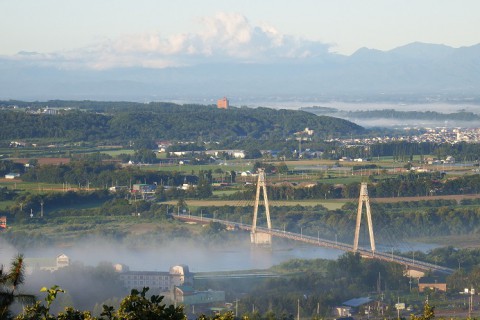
225	37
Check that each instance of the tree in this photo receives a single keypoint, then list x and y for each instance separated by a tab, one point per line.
282	168
160	193
252	153
181	205
145	156
138	306
233	176
204	188
135	306
9	283
428	313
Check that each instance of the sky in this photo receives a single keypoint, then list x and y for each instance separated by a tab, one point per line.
159	33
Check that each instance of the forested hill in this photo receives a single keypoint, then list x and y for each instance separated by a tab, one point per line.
90	121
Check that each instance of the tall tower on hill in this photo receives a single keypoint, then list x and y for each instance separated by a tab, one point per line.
222	103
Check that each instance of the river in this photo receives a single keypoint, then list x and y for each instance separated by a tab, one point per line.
200	258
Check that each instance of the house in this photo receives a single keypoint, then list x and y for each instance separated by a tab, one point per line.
17	144
117	188
355	305
239	154
343	311
12	176
62	261
47	264
449	160
143	188
436	284
246	174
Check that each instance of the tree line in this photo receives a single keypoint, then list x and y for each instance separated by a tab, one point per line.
168	121
406	185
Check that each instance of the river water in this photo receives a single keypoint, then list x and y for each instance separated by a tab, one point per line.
200	258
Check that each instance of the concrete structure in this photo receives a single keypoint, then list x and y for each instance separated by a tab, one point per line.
49	111
261	238
181	275
157	281
62	261
413	272
363	198
46	264
239	154
432	284
222	103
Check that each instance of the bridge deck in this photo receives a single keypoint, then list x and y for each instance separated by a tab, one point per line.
409	263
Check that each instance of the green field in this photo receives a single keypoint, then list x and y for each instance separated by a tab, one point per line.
5	204
36	187
115	152
329	204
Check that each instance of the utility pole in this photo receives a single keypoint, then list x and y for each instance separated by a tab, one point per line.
398	309
298	309
236	308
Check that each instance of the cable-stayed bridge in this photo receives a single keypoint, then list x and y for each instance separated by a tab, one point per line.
263	235
317	241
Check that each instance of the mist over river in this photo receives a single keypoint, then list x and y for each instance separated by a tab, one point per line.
200	258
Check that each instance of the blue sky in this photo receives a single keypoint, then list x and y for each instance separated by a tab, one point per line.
158	33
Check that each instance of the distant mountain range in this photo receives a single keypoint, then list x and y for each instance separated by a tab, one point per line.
416	69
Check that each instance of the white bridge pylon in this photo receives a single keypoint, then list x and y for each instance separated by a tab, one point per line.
261	238
363	198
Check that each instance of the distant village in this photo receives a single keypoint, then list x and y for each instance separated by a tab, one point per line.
434	135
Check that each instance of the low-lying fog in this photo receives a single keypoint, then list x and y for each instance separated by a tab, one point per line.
199	258
440	107
389	123
411	123
90	282
239	255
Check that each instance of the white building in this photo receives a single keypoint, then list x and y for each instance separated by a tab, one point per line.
157	281
47	264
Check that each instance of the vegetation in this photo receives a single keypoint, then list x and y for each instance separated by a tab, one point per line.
9	286
321	283
66	217
136	306
63	216
139	122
